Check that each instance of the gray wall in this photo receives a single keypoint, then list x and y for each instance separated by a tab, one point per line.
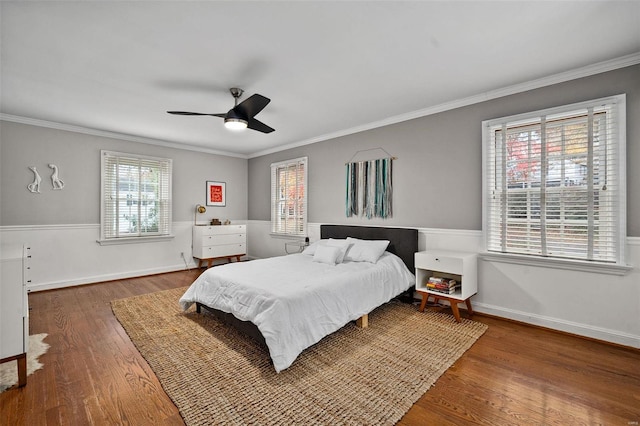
78	157
437	178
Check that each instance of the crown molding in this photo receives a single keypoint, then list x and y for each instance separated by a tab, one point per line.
113	135
589	70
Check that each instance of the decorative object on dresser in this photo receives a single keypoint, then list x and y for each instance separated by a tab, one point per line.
448	275
216	194
219	242
14	307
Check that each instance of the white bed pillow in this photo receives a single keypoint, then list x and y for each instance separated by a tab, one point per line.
311	248
365	250
343	245
327	254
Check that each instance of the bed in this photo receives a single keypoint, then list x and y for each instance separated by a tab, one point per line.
289	303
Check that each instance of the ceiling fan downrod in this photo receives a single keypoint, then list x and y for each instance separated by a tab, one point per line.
236	93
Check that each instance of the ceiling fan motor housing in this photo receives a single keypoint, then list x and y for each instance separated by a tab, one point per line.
234	114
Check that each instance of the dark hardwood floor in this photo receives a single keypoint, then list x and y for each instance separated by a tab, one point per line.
515	374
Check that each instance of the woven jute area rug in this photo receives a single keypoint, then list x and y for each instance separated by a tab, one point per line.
371	376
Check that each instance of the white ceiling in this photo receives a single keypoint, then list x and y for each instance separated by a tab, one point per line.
329	68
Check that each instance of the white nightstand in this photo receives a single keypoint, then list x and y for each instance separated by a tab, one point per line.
458	265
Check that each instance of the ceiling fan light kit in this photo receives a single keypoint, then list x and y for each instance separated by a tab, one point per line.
235	123
241	116
233	120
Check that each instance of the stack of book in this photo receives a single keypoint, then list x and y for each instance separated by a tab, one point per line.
442	285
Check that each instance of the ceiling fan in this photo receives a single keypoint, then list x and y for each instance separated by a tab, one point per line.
241	116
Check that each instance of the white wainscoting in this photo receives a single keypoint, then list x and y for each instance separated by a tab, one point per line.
597	305
600	306
68	255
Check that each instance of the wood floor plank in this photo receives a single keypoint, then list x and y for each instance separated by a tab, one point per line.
514	375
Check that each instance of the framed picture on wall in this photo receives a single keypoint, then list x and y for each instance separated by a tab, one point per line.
216	194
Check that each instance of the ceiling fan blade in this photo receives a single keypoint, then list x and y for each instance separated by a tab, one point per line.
195	113
251	106
258	125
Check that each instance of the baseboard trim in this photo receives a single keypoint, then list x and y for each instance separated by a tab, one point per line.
109	277
583	330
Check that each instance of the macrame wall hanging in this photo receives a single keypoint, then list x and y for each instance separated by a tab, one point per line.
369	187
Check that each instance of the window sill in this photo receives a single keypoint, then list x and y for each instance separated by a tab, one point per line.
547	262
134	240
288	236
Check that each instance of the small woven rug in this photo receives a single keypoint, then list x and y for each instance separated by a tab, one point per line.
371	376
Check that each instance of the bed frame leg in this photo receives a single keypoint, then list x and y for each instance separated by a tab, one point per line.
363	321
198	308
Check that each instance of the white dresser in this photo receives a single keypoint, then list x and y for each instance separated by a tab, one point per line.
219	242
14	306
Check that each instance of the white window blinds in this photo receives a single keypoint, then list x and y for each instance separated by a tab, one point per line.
289	197
555	182
136	196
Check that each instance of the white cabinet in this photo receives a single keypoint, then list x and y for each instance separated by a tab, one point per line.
219	241
458	265
14	306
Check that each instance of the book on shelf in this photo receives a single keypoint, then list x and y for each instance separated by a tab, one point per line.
451	290
441	282
440	287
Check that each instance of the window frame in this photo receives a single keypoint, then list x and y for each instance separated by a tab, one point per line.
619	267
275	187
165	233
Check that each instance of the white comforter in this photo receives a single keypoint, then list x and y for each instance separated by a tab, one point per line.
294	301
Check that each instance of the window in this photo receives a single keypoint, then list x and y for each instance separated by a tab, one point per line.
136	196
554	183
289	197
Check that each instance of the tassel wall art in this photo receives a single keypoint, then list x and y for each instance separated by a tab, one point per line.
369	188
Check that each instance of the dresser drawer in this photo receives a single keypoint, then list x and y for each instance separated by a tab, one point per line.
215	240
435	262
222	250
221	229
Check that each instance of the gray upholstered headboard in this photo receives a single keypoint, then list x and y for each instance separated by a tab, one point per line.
403	242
